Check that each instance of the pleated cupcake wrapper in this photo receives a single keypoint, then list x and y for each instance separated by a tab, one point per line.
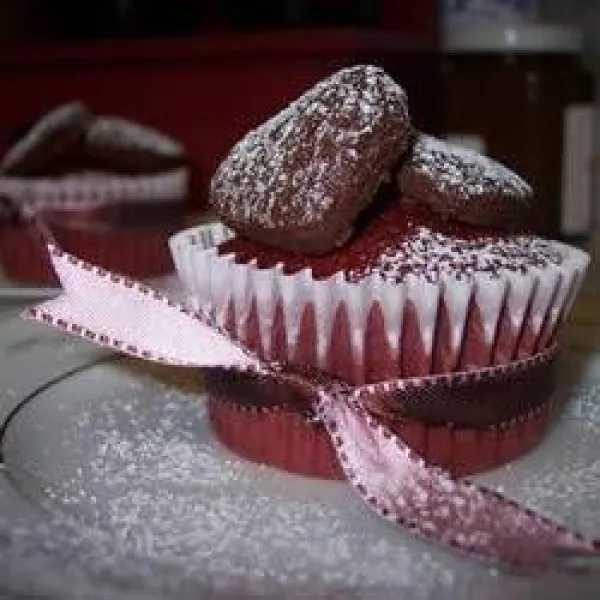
293	442
83	191
136	251
387	474
285	435
422	328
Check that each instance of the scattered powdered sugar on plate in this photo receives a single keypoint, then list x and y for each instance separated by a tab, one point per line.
140	468
141	498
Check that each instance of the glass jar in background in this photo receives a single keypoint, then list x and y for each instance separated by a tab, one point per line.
522	94
472	13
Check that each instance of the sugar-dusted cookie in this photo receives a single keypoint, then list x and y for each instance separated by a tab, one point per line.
299	180
462	184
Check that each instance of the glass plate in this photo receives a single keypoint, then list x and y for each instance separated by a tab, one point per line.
113	485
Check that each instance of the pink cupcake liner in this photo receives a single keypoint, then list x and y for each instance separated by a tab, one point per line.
288	439
373	330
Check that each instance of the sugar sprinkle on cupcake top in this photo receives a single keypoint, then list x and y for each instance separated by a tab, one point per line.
432	254
406	239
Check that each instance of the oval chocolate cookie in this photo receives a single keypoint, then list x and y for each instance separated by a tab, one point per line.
44	146
299	180
462	184
118	145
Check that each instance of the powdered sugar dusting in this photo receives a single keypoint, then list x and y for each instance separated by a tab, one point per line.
430	254
122	133
292	170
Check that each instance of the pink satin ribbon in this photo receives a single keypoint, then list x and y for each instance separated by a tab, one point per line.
390	477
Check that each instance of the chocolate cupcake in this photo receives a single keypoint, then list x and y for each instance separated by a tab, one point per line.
459	309
106	189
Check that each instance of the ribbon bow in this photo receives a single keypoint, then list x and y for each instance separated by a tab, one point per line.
389	476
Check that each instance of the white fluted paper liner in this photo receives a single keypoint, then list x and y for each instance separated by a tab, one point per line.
79	190
534	302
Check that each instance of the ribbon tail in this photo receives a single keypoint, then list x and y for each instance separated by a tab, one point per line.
430	504
117	312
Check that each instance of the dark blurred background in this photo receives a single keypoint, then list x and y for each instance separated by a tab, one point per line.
69	19
513	78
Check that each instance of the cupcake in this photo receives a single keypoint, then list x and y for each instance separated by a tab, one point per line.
107	189
353	244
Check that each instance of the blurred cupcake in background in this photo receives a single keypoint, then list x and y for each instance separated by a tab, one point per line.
107	189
